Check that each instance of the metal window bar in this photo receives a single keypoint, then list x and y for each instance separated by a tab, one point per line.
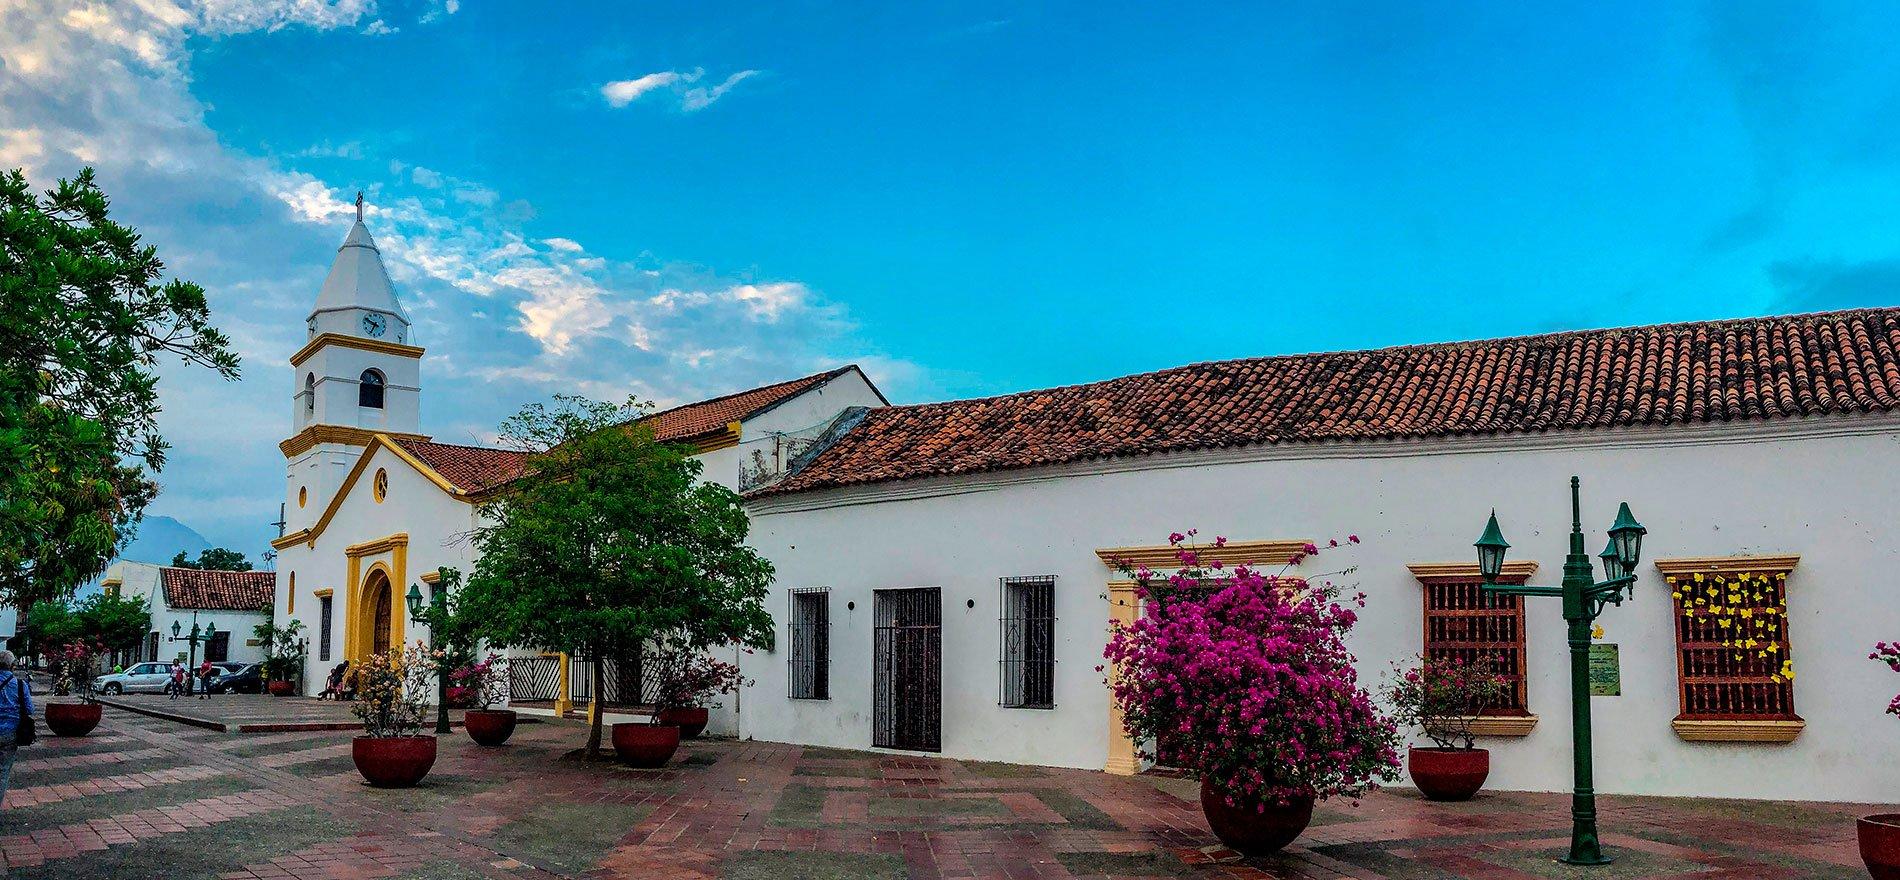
809	619
1027	642
1467	624
325	623
533	679
907	669
626	681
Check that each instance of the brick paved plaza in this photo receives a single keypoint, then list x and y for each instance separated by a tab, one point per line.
144	797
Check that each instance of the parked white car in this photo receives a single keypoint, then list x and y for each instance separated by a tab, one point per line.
141	678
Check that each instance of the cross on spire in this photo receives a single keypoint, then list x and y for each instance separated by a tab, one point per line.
359	206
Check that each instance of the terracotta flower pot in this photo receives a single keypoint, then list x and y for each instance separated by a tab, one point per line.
72	719
1880	845
281	689
1251	831
690	719
1448	774
646	745
489	727
395	761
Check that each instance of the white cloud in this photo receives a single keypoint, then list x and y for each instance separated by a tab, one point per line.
620	93
424	177
701	98
562	244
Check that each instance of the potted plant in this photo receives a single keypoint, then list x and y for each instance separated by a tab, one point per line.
688	679
284	651
1247	677
1880	833
393	691
482	685
73	676
1442	697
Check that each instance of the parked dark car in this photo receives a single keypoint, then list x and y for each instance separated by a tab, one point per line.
238	678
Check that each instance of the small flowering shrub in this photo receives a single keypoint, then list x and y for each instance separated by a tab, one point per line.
1442	697
687	676
479	685
393	691
1246	677
74	670
1890	655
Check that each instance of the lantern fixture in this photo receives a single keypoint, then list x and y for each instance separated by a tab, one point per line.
1627	534
1491	546
414	600
1612	563
176	628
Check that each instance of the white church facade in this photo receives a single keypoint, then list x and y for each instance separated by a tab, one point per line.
373	506
943	579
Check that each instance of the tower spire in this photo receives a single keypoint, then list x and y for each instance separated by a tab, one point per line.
359	206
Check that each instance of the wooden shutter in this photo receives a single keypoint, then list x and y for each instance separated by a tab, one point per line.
1734	658
1464	622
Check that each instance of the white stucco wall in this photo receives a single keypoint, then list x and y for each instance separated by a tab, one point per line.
1820	490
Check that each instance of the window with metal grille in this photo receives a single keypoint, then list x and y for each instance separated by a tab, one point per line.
369	389
810	621
1467	624
323	628
1028	642
218	649
1732	650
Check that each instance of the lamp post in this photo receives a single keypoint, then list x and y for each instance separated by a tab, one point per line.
436	599
1583	600
193	639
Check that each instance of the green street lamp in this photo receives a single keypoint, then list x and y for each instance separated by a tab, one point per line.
1583	600
414	600
197	636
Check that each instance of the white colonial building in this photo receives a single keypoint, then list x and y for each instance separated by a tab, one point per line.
943	581
230	603
374	506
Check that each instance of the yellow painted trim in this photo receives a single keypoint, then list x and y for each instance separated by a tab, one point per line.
1728	564
1234	553
357	342
726	438
431	577
323	593
1765	731
308	438
1121	749
1467	570
290	540
360	627
1503	725
291	602
380	441
379	545
379	485
441	482
303	496
563	692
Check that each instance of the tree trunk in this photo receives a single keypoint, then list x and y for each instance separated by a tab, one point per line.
593	709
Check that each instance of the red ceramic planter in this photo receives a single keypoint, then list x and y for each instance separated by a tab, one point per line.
393	762
691	720
1448	774
646	745
1250	831
72	719
1880	845
489	727
280	688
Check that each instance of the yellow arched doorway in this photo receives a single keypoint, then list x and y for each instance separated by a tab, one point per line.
381	607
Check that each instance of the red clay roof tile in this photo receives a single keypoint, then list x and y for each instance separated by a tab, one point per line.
1717	371
192	588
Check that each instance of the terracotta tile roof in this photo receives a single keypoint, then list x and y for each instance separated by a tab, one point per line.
469	468
712	416
217	590
476	468
1718	371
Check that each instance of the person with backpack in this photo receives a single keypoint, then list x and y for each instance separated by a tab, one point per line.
16	718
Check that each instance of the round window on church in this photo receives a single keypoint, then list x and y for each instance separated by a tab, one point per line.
381	485
303	495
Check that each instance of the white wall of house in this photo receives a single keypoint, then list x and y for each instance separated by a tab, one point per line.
1817	488
142	580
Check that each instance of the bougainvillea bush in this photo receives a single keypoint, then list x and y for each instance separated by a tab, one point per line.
1442	697
479	685
1890	655
1246	676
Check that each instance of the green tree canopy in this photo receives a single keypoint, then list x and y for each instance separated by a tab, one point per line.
214	559
608	540
84	322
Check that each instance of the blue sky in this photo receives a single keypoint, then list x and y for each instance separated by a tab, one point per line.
681	200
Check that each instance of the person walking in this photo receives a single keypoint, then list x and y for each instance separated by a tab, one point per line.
205	672
16	704
178	679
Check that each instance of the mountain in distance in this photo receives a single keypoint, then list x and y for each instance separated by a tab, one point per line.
159	538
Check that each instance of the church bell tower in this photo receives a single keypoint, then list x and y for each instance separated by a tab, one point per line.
357	375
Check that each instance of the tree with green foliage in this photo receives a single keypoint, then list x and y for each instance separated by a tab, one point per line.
100	622
609	541
214	559
84	321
